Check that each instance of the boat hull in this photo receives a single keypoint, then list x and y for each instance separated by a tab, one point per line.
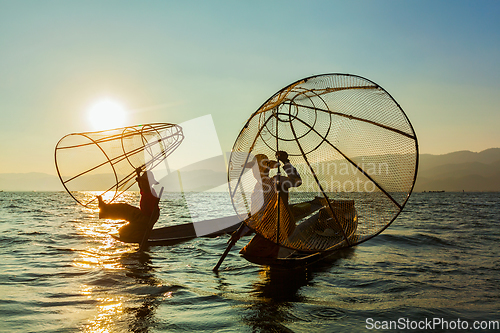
289	258
176	234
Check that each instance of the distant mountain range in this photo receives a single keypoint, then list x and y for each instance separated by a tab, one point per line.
191	181
460	171
457	171
33	181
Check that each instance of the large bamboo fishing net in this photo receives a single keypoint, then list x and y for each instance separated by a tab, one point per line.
106	161
356	153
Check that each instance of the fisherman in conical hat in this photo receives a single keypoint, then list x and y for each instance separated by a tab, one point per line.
264	202
266	186
141	220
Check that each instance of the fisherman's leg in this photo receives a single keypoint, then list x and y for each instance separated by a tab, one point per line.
138	228
131	233
118	211
148	223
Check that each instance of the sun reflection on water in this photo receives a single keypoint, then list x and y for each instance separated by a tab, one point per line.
121	283
108	312
105	255
103	251
86	290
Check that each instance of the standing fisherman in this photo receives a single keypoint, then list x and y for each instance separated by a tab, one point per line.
141	220
264	207
265	204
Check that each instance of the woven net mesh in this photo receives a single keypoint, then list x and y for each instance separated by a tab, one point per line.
106	161
356	153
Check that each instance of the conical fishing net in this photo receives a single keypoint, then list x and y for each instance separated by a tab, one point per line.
106	161
354	149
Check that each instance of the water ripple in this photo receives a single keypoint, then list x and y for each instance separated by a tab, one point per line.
62	272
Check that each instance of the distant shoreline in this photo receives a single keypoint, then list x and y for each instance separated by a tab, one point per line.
453	172
433	192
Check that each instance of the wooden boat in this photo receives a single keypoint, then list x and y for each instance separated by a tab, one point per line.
184	232
320	227
177	234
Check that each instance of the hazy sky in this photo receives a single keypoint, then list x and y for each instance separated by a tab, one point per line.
172	61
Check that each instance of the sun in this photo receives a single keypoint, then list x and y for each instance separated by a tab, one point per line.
106	114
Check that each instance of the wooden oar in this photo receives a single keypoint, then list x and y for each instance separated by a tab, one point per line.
144	242
234	238
237	234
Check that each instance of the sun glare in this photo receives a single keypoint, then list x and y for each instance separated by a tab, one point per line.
106	114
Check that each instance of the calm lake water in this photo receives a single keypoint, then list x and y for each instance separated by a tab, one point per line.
61	271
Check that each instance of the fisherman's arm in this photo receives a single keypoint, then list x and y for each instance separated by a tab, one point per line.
139	182
293	177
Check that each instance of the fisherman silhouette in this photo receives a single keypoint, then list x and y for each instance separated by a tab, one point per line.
264	208
141	220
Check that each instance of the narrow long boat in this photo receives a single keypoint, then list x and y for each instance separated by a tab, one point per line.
176	234
318	228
